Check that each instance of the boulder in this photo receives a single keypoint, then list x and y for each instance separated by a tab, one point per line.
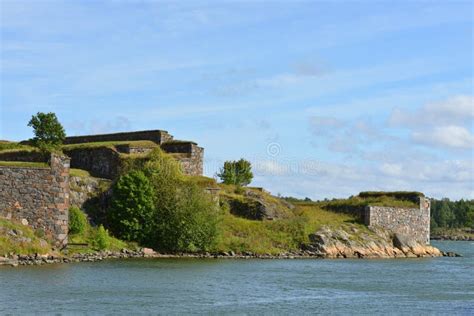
259	206
148	251
346	243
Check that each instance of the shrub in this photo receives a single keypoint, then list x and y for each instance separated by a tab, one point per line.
132	211
49	133
236	172
77	220
102	238
178	215
190	224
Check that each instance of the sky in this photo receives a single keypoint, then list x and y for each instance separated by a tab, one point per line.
326	99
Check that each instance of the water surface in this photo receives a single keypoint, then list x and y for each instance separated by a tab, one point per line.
227	286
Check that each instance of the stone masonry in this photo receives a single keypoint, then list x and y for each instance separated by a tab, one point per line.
156	136
104	161
38	197
191	158
413	223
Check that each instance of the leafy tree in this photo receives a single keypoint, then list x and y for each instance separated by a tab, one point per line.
236	172
49	133
181	216
77	220
132	212
452	214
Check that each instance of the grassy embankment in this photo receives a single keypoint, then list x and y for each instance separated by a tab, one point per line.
94	239
19	239
272	236
291	231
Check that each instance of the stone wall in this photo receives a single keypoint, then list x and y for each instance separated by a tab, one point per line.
85	188
101	162
133	149
191	156
156	136
24	155
38	197
413	223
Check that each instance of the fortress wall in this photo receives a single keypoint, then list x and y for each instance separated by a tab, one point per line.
192	162
156	136
38	197
23	155
101	162
410	222
82	189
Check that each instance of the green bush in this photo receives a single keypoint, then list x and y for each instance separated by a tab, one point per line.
102	238
190	224
155	205
77	220
236	172
132	211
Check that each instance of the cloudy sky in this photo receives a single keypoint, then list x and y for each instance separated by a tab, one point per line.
325	98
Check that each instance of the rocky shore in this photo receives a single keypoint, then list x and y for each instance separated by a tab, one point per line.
347	242
353	242
31	260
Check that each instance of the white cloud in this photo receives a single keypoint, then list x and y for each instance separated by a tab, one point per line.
271	167
391	169
446	123
450	136
450	111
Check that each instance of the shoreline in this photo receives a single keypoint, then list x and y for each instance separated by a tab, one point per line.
35	260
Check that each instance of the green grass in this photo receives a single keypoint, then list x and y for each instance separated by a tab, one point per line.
278	236
357	202
15	244
24	164
79	173
14	146
177	142
202	181
89	237
138	143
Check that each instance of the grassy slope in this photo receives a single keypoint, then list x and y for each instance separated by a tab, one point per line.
273	236
287	234
239	234
24	242
24	164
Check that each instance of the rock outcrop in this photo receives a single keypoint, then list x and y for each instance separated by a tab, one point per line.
256	205
353	242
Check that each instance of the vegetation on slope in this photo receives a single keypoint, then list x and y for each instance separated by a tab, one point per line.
277	236
14	146
111	144
20	239
174	215
24	164
84	238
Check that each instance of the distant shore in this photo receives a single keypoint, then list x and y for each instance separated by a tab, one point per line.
461	234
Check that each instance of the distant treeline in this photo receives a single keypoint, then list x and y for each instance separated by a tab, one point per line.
452	214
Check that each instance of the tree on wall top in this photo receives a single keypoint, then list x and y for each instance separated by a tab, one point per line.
236	172
49	133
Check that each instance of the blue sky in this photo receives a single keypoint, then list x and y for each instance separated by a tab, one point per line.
325	98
